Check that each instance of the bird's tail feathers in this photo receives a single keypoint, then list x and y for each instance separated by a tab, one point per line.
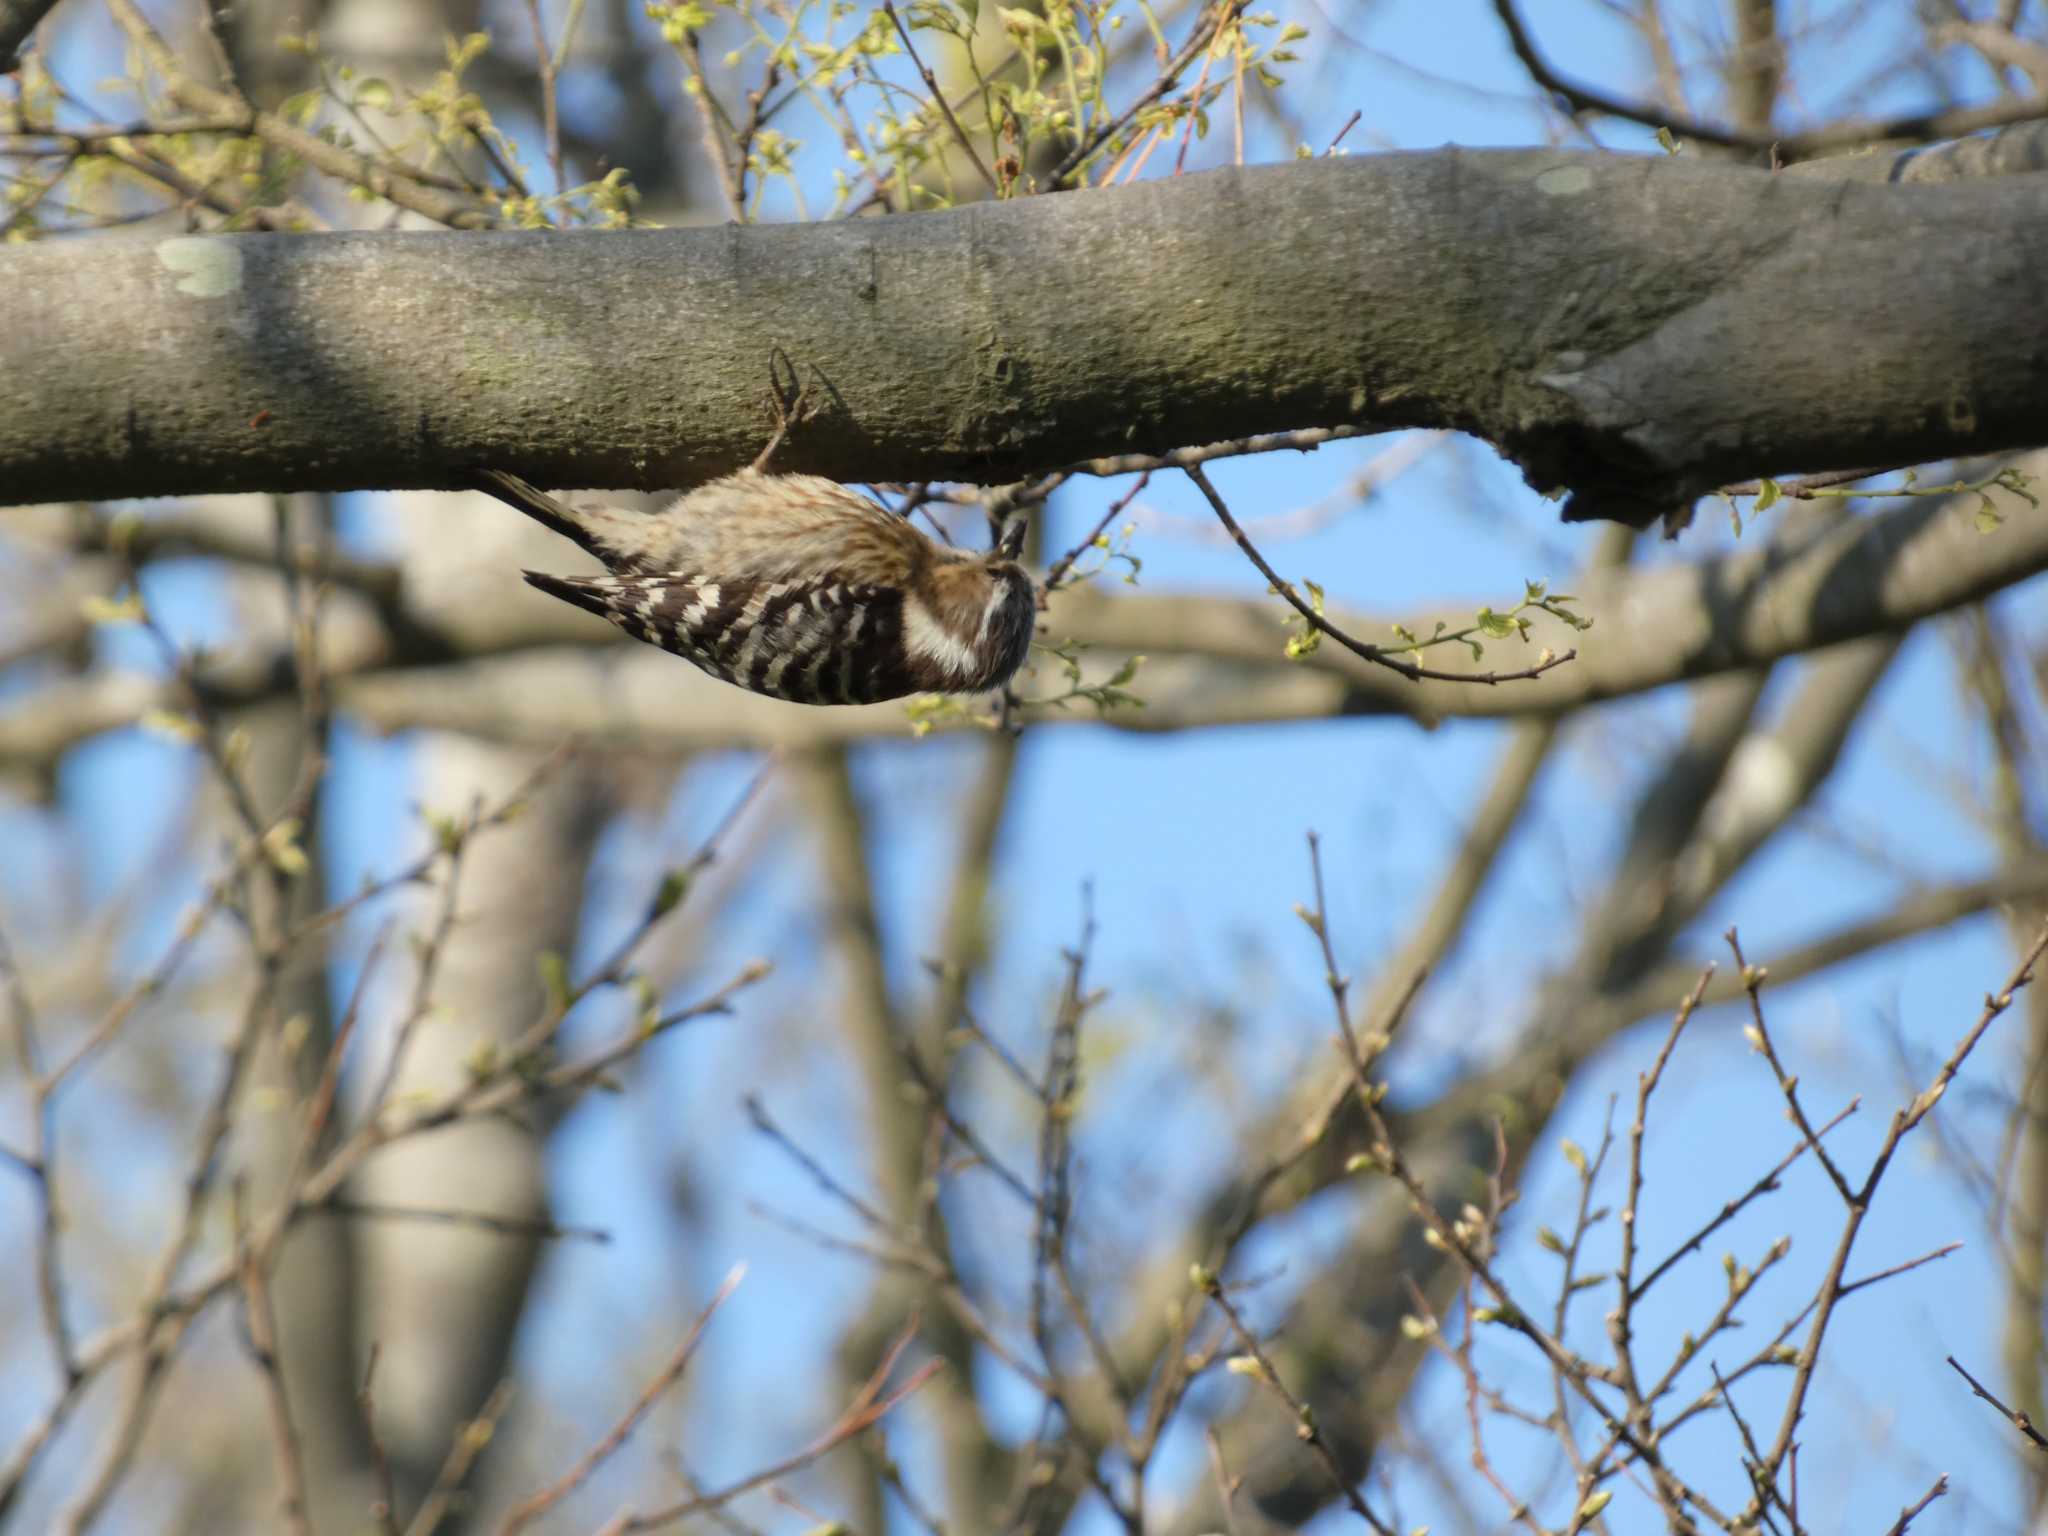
536	504
590	596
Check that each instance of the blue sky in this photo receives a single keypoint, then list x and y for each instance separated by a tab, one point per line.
1193	850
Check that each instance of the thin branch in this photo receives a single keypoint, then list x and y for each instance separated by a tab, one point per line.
1358	648
1768	1184
1858	1202
1304	440
1057	572
1753	1459
468	1444
1760	1037
711	119
551	122
261	1320
1306	1427
1456	1237
1621	1322
608	1444
387	181
1912	1511
1846	134
89	138
1212	22
868	1408
757	1112
2017	1417
1850	1287
480	1221
383	1508
931	83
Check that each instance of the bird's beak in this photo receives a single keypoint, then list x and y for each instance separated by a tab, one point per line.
1011	545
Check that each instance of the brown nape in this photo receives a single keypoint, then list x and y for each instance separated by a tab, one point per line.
957	592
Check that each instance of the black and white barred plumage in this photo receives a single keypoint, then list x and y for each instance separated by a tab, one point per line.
796	587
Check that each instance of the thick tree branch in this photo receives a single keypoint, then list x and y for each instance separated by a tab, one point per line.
1637	331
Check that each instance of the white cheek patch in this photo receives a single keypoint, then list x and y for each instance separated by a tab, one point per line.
925	638
998	599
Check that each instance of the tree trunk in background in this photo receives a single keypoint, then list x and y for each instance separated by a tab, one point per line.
442	1303
313	1289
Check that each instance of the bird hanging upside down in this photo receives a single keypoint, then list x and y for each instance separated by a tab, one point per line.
796	587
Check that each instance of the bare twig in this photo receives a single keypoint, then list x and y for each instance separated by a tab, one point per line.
383	1508
1760	1037
1462	1239
551	123
469	1443
480	1221
715	131
541	1502
1358	648
1841	135
1306	1427
869	1407
1858	1200
261	1320
2017	1417
1226	1485
1913	1510
1768	1184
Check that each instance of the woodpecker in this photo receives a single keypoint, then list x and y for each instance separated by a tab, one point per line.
796	587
